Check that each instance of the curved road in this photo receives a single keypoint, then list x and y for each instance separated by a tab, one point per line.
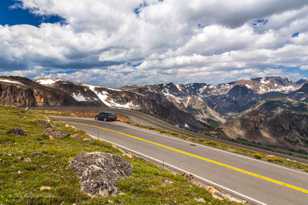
256	181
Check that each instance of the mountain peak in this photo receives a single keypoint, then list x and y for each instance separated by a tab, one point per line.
47	81
240	90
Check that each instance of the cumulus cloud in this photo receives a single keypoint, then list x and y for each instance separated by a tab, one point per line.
148	41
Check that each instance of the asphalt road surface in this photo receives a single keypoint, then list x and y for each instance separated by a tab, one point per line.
254	180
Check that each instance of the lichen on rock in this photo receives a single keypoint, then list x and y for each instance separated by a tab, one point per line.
99	172
54	133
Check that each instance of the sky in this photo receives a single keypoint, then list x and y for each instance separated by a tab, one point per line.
125	42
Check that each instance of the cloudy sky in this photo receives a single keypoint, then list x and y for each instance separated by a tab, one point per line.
119	42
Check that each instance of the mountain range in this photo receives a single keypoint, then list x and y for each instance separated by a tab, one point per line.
269	110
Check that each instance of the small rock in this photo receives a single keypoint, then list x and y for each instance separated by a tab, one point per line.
45	188
167	181
19	172
52	133
223	196
77	136
99	172
17	132
200	200
215	193
189	177
20	158
28	160
86	139
128	155
44	166
36	154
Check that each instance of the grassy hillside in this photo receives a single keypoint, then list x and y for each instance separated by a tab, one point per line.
34	170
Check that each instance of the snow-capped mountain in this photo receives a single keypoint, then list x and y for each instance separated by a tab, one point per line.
204	101
148	101
258	85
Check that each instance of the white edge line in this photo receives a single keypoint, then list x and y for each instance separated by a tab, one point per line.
182	170
204	146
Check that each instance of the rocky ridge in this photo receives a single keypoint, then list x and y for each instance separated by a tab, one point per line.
278	122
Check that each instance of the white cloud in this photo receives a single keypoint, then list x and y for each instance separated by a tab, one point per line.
170	40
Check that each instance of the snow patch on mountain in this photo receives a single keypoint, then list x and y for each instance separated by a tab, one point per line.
204	88
11	81
179	87
104	96
249	86
80	98
173	98
47	81
284	89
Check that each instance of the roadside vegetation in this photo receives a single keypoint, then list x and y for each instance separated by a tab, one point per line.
34	169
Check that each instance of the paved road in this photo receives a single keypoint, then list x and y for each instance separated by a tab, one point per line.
257	181
151	121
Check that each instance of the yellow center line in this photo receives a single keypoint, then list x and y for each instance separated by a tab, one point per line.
240	170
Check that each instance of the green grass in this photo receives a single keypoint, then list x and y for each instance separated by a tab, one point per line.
30	162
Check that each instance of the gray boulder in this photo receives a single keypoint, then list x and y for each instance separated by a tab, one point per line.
17	132
99	172
58	134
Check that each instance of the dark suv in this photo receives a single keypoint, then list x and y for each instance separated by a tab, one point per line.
106	116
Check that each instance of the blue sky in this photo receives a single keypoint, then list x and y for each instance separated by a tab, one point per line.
10	14
104	42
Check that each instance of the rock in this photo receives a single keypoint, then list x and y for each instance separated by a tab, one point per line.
44	124
128	155
77	136
45	188
28	160
167	181
189	177
17	132
52	133
27	93
200	200
99	172
223	196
